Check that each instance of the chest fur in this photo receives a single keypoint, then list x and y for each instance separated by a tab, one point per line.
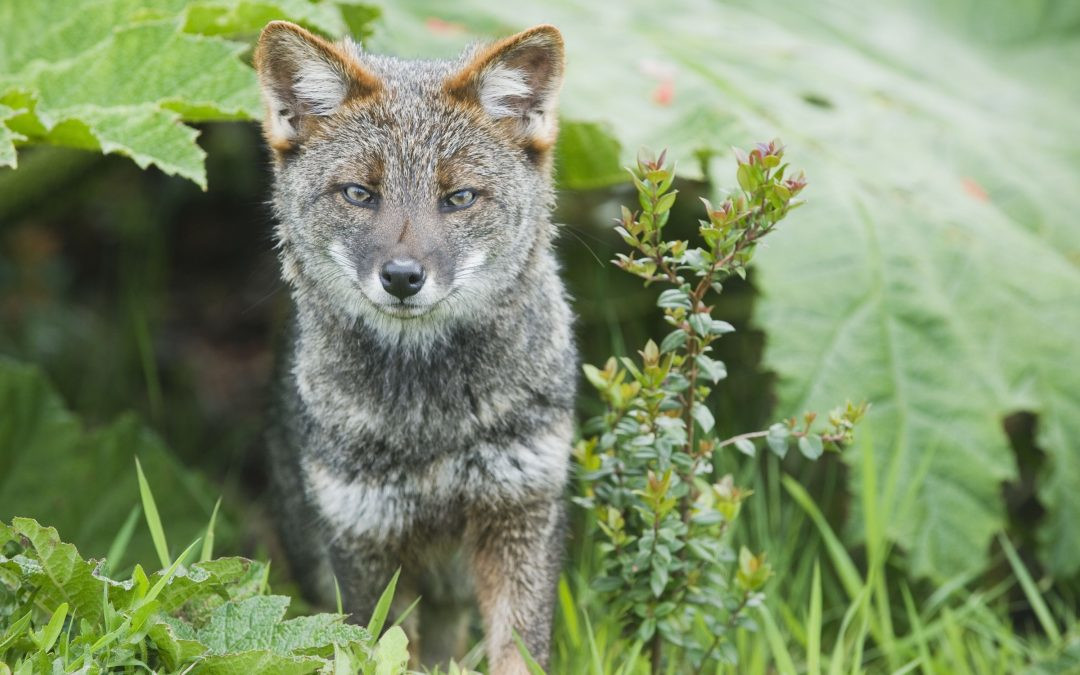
393	505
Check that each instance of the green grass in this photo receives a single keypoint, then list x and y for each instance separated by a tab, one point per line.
836	610
831	608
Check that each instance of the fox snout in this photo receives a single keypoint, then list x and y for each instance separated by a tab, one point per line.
395	278
402	278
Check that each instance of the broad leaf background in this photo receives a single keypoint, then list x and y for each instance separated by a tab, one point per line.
934	270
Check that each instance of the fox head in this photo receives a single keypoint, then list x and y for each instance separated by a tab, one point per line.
409	193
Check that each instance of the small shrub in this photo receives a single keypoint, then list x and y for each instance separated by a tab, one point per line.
667	568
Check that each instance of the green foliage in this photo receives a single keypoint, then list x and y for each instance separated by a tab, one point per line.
61	613
665	562
935	272
121	76
52	469
830	611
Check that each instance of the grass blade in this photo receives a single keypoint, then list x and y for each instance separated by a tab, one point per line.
813	629
845	568
918	630
569	613
165	578
382	608
836	661
780	653
337	596
408	610
153	519
530	662
954	642
877	548
594	651
630	664
46	638
208	541
122	539
1042	612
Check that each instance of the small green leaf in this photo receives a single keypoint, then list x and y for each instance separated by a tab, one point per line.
674	298
711	368
173	649
595	376
703	416
663	205
673	340
745	176
658	579
701	323
810	446
778	439
746	446
719	327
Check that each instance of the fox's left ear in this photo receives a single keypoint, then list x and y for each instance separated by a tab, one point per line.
517	80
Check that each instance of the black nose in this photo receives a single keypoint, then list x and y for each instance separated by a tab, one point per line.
402	278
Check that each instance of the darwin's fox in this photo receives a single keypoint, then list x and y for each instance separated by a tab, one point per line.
424	404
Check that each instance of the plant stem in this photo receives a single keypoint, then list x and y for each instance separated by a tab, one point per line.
748	436
729	624
655	647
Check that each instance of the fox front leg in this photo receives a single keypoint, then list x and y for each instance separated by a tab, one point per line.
516	556
362	570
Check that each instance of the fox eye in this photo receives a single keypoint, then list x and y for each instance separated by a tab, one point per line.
358	195
458	200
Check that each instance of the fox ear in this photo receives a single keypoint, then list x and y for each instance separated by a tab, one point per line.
517	80
304	77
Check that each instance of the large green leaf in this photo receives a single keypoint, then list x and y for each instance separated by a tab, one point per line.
934	268
54	568
120	76
257	624
7	137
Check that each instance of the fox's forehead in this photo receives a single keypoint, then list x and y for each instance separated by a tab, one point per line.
409	151
413	133
415	76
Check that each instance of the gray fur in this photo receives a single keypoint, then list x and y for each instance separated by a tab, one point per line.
440	431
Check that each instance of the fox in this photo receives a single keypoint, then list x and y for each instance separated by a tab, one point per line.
423	406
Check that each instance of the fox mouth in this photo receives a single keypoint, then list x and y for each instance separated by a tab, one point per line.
403	311
400	310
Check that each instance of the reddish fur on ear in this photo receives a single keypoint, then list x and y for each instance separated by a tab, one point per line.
529	69
283	52
549	35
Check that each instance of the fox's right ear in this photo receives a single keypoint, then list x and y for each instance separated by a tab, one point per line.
304	77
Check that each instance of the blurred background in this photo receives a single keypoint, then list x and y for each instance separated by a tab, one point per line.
934	272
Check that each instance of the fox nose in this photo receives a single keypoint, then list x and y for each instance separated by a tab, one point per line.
402	278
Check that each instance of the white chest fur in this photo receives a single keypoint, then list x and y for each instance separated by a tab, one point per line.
486	475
